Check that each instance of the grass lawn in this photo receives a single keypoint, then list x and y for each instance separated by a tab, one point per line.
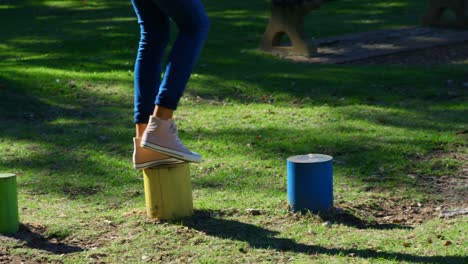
397	133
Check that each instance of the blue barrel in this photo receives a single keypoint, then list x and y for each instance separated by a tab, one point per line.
310	183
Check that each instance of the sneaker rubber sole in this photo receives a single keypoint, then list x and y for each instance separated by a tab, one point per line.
171	152
155	163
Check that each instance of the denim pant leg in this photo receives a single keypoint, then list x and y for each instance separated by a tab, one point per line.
154	37
193	25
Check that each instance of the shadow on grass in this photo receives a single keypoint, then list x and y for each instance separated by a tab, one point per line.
33	238
258	237
339	216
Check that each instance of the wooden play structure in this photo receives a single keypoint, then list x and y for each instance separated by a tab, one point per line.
287	18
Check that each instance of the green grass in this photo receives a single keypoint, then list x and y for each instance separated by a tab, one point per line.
66	70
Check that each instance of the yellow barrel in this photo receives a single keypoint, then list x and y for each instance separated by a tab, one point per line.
168	192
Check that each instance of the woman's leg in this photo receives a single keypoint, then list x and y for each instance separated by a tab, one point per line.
161	133
154	37
193	25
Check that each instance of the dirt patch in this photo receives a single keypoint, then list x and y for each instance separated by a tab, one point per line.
406	46
75	191
452	185
37	236
106	232
449	54
34	236
5	257
383	213
386	213
447	189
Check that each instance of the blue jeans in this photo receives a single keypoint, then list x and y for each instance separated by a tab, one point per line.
153	18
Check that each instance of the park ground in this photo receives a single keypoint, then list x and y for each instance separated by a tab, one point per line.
397	133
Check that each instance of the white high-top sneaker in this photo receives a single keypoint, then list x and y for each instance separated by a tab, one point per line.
161	136
145	158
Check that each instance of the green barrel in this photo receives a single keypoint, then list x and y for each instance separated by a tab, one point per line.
9	220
